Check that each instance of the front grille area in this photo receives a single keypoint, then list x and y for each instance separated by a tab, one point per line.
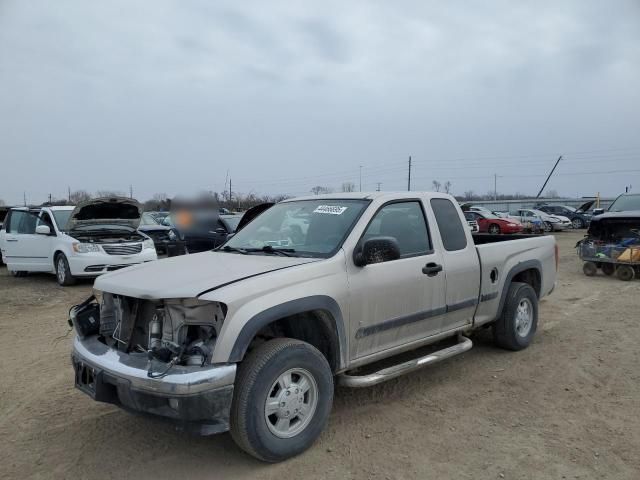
128	249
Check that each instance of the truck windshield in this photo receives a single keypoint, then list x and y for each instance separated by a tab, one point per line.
625	203
314	228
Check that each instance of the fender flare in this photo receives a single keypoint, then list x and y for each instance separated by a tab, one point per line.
293	307
516	269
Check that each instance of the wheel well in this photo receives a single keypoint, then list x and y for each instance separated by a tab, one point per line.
316	327
55	257
530	276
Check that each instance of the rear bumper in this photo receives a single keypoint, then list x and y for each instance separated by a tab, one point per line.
197	399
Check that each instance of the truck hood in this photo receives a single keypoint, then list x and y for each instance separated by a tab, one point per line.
118	211
189	276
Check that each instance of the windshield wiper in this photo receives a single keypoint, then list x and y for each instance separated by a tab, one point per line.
285	252
227	248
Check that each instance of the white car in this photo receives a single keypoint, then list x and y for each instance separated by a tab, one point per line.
95	237
550	223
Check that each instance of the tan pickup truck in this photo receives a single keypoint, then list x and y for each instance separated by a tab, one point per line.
252	337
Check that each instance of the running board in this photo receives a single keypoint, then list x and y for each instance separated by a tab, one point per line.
406	367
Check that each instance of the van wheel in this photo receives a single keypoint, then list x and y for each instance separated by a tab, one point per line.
63	272
625	273
517	325
282	399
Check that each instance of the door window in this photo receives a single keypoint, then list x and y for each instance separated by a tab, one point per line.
405	222
22	222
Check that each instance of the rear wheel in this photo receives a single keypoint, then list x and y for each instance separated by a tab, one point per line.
548	227
608	269
494	228
589	269
282	399
625	273
63	272
517	325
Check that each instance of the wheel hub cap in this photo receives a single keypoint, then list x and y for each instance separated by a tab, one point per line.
291	403
524	317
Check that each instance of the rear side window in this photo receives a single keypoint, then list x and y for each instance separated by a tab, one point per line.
451	228
22	222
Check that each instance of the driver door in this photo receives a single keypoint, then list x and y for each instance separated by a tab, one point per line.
393	303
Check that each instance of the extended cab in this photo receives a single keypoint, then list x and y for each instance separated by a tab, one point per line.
251	337
95	237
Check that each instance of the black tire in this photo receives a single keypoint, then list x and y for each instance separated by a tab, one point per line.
608	269
577	223
257	375
589	269
625	273
494	229
548	227
63	272
506	330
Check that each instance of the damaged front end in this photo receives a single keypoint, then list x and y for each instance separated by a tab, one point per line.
155	356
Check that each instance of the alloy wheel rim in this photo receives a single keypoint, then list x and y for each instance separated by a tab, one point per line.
60	270
291	403
577	223
524	317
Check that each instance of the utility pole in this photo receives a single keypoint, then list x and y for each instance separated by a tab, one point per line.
24	198
360	177
130	191
229	190
409	177
69	191
495	187
49	199
379	185
551	173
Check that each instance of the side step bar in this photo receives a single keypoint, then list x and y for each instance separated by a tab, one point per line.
406	367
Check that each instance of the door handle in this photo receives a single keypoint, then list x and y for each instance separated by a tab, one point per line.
11	239
431	269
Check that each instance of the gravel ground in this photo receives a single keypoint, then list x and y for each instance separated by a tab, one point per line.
567	407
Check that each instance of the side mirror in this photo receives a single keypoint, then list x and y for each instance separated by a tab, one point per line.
220	231
43	230
377	250
598	211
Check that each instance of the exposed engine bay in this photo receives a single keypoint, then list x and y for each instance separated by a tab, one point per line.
169	332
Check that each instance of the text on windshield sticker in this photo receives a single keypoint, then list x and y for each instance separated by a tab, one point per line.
330	209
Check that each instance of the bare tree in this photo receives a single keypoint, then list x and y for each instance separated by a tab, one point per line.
552	194
436	185
79	196
348	187
317	190
1	202
447	187
109	193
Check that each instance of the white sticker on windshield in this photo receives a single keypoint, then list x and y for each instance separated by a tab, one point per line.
330	209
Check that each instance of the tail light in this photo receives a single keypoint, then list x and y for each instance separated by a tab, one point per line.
557	252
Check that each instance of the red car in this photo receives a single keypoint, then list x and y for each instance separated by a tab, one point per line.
490	223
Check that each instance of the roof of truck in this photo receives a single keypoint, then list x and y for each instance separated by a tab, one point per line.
364	195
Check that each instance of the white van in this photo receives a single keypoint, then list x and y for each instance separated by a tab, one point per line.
95	237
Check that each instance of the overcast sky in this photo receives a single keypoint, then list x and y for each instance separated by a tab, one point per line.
168	96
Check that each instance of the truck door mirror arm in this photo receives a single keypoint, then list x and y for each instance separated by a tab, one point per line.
376	250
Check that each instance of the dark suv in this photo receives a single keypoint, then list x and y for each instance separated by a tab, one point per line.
578	219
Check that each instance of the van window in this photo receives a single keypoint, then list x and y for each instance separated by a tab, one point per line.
451	228
22	222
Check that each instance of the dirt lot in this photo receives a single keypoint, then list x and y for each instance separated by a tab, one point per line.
568	407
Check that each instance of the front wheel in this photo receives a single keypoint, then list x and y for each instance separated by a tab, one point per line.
494	229
548	227
625	273
589	269
577	223
63	272
282	399
517	325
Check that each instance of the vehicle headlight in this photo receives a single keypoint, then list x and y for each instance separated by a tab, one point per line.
512	224
554	220
148	243
85	247
172	235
